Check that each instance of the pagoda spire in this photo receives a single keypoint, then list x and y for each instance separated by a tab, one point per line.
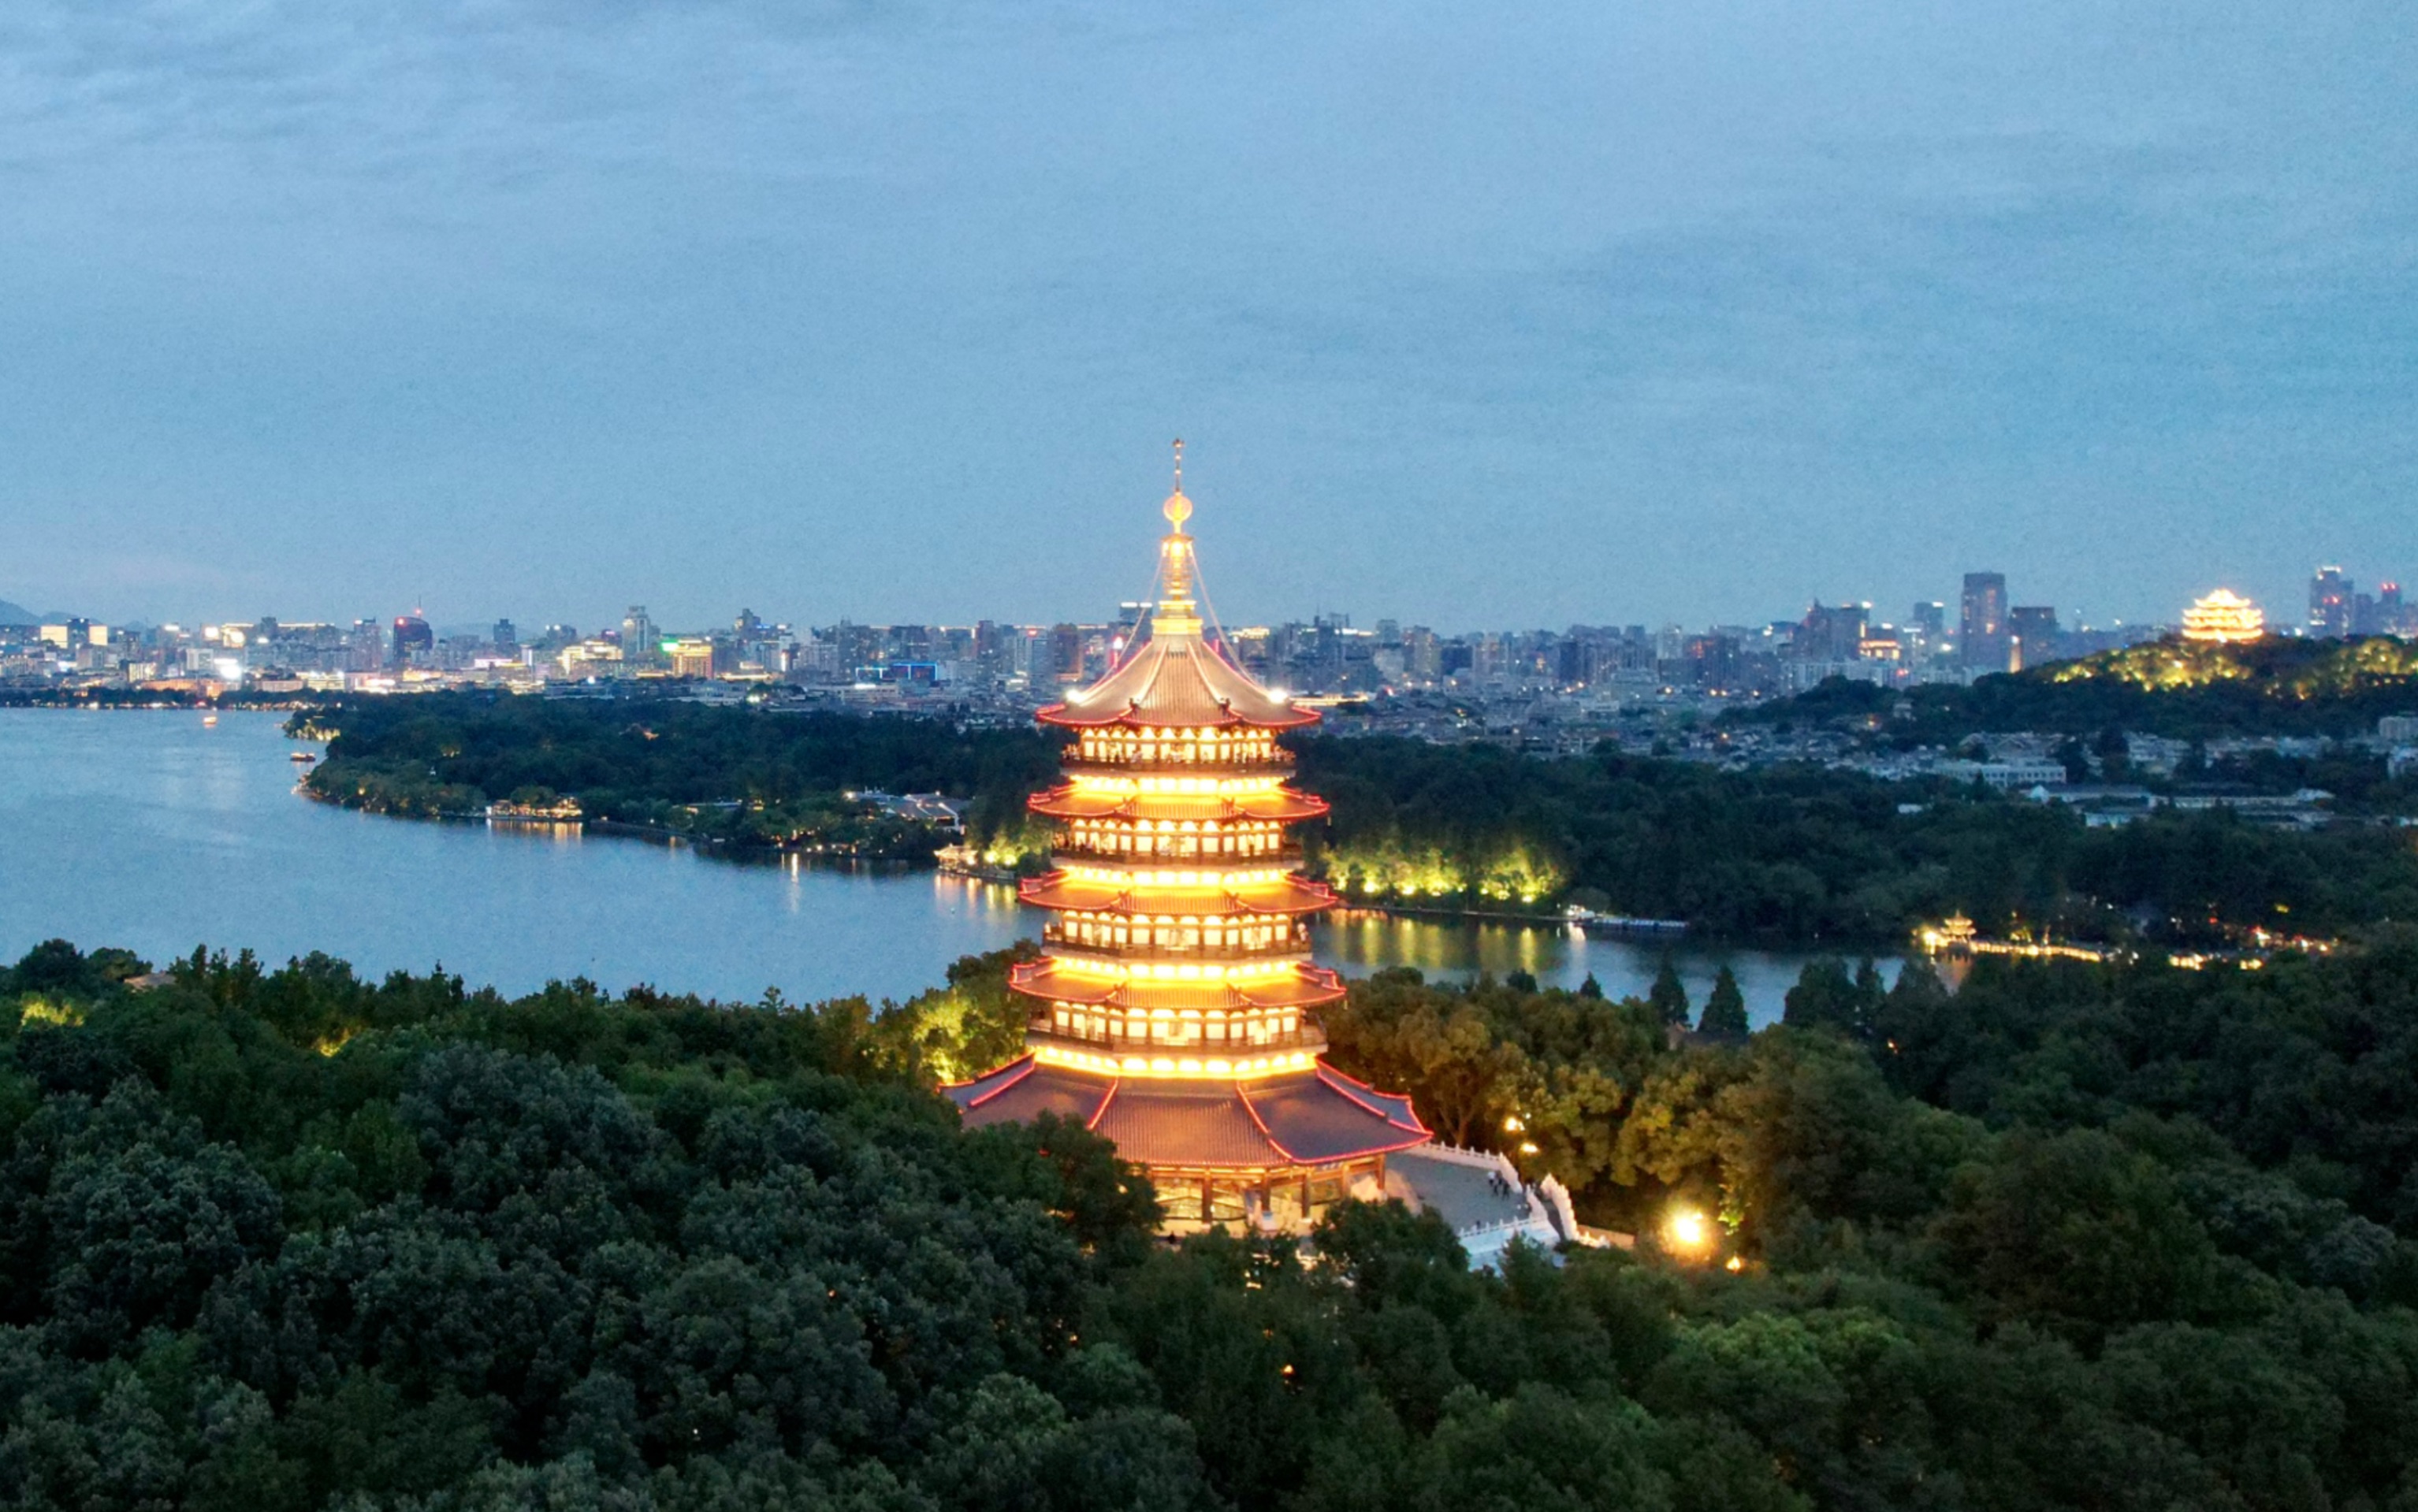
1178	611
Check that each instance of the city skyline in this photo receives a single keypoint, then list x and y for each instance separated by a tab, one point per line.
1484	319
2284	611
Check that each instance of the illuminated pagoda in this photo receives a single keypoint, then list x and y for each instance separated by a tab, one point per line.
2224	618
1175	1009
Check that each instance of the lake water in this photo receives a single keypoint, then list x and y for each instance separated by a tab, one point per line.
155	832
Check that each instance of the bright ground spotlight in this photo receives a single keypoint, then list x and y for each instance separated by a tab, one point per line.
1687	1233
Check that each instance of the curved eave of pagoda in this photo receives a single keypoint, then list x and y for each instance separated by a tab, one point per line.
1284	807
1176	681
1205	900
1303	987
1132	714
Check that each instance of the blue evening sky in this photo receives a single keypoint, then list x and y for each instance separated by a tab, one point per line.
1513	314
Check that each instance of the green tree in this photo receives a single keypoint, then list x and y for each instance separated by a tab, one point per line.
1724	1017
2075	1233
1824	996
1668	997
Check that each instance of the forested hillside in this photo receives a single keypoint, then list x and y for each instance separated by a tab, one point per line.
735	775
1799	854
2183	690
284	1239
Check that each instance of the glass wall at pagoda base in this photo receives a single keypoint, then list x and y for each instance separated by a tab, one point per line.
1286	1201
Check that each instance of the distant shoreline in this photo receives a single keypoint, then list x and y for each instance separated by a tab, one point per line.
720	849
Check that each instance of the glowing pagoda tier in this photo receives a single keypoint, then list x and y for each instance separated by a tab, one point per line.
1175	1005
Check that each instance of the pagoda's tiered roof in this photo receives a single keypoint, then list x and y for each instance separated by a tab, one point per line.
1177	681
1283	805
1303	987
1317	1117
1206	899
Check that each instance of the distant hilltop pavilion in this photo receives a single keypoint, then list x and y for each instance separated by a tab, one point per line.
1175	1008
2224	616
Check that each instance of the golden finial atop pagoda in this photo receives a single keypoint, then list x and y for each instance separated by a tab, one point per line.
1177	508
1177	613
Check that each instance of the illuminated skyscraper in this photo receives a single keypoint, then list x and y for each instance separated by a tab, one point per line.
2032	629
2330	592
1982	642
1176	1010
415	644
638	640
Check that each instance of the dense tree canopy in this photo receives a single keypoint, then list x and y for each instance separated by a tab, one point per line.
1791	854
2178	689
1799	854
290	1240
739	774
2166	1219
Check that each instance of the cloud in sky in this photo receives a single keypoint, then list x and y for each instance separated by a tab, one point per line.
1577	312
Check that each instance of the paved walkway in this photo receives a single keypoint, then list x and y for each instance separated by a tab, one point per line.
1459	1194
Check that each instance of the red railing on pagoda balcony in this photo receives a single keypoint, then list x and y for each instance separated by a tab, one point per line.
1294	943
1295	895
1183	1036
1075	763
1179	848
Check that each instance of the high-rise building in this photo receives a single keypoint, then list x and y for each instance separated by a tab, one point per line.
994	648
365	648
856	649
1982	642
638	640
1832	633
507	639
1065	653
2033	628
1924	632
1131	614
1175	1010
2330	594
414	643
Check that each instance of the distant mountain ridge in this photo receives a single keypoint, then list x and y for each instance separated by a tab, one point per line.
11	614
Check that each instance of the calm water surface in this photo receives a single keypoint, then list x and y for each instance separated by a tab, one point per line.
155	832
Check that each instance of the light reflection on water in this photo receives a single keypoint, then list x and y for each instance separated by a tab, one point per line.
1362	943
1556	958
152	831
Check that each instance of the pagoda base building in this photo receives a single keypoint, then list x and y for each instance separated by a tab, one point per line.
1270	1152
1175	1008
